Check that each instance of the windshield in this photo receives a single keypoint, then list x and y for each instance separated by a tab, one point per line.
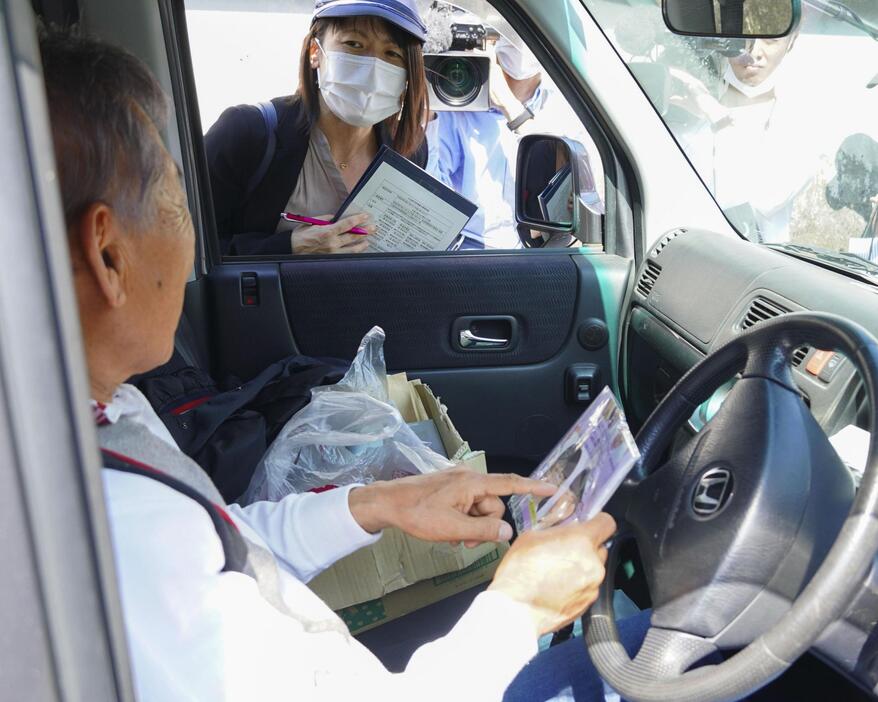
783	132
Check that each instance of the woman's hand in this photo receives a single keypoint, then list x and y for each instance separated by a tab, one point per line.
556	572
333	238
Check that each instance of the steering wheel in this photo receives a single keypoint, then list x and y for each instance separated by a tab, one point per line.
752	535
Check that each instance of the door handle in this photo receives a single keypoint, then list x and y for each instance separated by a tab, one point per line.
487	333
468	340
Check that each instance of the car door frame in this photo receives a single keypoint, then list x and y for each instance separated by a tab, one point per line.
60	610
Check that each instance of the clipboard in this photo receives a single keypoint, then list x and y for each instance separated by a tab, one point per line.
547	199
412	210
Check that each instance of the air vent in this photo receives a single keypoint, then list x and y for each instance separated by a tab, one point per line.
799	355
667	239
761	310
648	277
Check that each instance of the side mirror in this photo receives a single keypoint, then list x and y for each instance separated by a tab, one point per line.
552	181
732	18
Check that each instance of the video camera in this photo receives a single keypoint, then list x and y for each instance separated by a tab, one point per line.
457	78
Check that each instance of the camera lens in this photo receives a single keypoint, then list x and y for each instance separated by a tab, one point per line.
456	81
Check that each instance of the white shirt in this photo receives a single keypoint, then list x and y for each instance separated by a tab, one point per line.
196	633
753	157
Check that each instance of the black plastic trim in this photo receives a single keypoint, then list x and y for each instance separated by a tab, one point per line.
173	15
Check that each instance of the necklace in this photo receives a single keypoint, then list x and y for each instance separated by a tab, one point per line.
342	165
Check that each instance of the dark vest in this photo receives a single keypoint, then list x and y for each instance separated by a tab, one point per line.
131	448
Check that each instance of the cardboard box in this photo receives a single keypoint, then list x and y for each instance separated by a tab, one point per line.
368	615
398	561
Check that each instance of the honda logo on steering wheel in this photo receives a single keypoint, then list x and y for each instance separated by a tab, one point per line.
712	492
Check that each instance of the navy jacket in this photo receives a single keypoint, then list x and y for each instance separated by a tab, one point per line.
227	426
235	146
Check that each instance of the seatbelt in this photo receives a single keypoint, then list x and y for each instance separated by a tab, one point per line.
234	546
269	116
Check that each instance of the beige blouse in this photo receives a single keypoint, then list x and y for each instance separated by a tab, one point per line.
320	189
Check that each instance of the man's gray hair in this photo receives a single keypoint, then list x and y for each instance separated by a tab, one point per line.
107	110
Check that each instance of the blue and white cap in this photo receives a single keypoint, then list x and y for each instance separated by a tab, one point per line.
402	13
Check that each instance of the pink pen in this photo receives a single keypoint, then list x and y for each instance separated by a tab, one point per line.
290	217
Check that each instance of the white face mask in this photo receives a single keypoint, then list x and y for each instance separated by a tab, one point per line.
750	91
360	90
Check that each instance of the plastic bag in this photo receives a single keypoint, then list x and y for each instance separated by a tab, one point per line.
587	465
349	433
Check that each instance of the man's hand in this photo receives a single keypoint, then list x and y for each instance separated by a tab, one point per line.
449	505
556	572
501	94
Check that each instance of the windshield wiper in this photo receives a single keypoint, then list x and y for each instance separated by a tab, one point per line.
837	9
848	261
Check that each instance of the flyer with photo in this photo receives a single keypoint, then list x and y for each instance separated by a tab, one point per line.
587	465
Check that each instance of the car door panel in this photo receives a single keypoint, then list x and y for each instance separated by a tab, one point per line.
247	338
513	403
418	300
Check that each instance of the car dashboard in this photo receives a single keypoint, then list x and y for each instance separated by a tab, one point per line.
697	290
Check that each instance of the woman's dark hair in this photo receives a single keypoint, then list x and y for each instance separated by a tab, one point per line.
406	130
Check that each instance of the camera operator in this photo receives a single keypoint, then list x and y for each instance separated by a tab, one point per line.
475	152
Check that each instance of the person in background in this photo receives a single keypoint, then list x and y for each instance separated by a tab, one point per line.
361	85
855	185
743	142
213	596
475	152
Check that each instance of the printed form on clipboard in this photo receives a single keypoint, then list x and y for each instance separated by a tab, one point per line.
412	210
555	200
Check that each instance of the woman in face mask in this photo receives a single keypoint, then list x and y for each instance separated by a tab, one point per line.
361	85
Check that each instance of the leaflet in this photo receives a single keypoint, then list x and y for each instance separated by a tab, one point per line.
412	210
587	465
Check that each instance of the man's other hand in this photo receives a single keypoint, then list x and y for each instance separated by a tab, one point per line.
450	505
556	572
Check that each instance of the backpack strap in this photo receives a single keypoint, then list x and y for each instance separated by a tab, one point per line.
234	546
269	116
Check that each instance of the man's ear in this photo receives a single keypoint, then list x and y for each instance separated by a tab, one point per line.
104	255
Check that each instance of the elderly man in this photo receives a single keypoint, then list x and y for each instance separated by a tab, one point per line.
213	596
